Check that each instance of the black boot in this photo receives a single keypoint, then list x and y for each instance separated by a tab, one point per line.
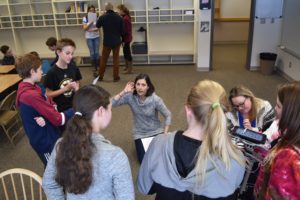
129	67
126	65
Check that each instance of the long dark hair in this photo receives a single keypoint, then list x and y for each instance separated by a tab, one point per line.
289	126
74	151
151	88
289	123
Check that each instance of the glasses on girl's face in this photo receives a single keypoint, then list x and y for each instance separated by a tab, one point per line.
240	104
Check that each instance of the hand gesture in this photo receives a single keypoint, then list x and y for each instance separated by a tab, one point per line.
40	121
129	87
75	85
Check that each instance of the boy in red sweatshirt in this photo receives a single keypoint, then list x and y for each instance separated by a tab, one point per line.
33	104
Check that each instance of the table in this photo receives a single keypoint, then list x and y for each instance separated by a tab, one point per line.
5	69
8	83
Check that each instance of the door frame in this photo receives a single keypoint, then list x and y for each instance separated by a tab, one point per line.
250	34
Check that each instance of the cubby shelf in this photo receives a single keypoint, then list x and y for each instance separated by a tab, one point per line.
169	28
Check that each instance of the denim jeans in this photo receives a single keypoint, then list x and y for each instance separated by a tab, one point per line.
93	45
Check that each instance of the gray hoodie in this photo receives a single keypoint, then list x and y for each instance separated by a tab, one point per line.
159	166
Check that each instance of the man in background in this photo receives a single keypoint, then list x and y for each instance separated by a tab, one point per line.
113	32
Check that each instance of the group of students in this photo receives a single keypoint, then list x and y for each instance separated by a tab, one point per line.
200	162
64	127
44	114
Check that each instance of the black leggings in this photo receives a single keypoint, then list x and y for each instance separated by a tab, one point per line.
140	151
127	52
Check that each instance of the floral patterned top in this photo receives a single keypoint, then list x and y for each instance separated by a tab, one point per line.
284	177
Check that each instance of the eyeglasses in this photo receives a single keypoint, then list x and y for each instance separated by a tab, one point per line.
240	105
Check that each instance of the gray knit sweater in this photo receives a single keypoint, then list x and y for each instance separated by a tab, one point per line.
112	178
145	114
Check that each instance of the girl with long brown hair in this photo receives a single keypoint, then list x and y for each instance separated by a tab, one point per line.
83	163
279	176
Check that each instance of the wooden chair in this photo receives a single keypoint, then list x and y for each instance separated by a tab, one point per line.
20	183
10	120
8	102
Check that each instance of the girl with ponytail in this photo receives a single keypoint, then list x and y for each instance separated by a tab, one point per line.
83	163
200	162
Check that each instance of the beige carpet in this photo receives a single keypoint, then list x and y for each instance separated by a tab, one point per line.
172	85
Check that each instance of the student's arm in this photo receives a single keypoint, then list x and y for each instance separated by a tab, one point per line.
284	182
122	179
46	110
162	108
52	189
86	25
269	116
166	129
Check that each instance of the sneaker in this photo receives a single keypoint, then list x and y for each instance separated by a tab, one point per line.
100	79
117	79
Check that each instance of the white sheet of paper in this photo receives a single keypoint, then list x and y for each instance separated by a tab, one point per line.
95	80
92	17
146	142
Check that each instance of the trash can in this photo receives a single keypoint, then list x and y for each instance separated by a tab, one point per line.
267	62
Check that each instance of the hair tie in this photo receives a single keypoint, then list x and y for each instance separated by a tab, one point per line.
78	113
215	105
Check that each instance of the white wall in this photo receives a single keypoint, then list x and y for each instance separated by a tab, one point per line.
203	41
288	65
266	38
235	8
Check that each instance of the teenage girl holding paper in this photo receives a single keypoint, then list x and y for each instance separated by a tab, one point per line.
92	36
145	106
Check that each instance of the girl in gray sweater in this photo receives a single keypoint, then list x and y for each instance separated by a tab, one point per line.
145	106
83	164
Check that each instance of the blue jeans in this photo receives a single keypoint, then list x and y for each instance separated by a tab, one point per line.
93	45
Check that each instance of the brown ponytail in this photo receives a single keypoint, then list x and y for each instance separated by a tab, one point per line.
75	150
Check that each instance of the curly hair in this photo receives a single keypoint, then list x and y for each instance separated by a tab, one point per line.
74	151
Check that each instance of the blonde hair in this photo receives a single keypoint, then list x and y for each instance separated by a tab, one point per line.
207	100
241	90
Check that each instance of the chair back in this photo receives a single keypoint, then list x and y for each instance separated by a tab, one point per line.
20	183
8	103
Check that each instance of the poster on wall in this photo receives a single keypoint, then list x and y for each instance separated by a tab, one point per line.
269	8
204	26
